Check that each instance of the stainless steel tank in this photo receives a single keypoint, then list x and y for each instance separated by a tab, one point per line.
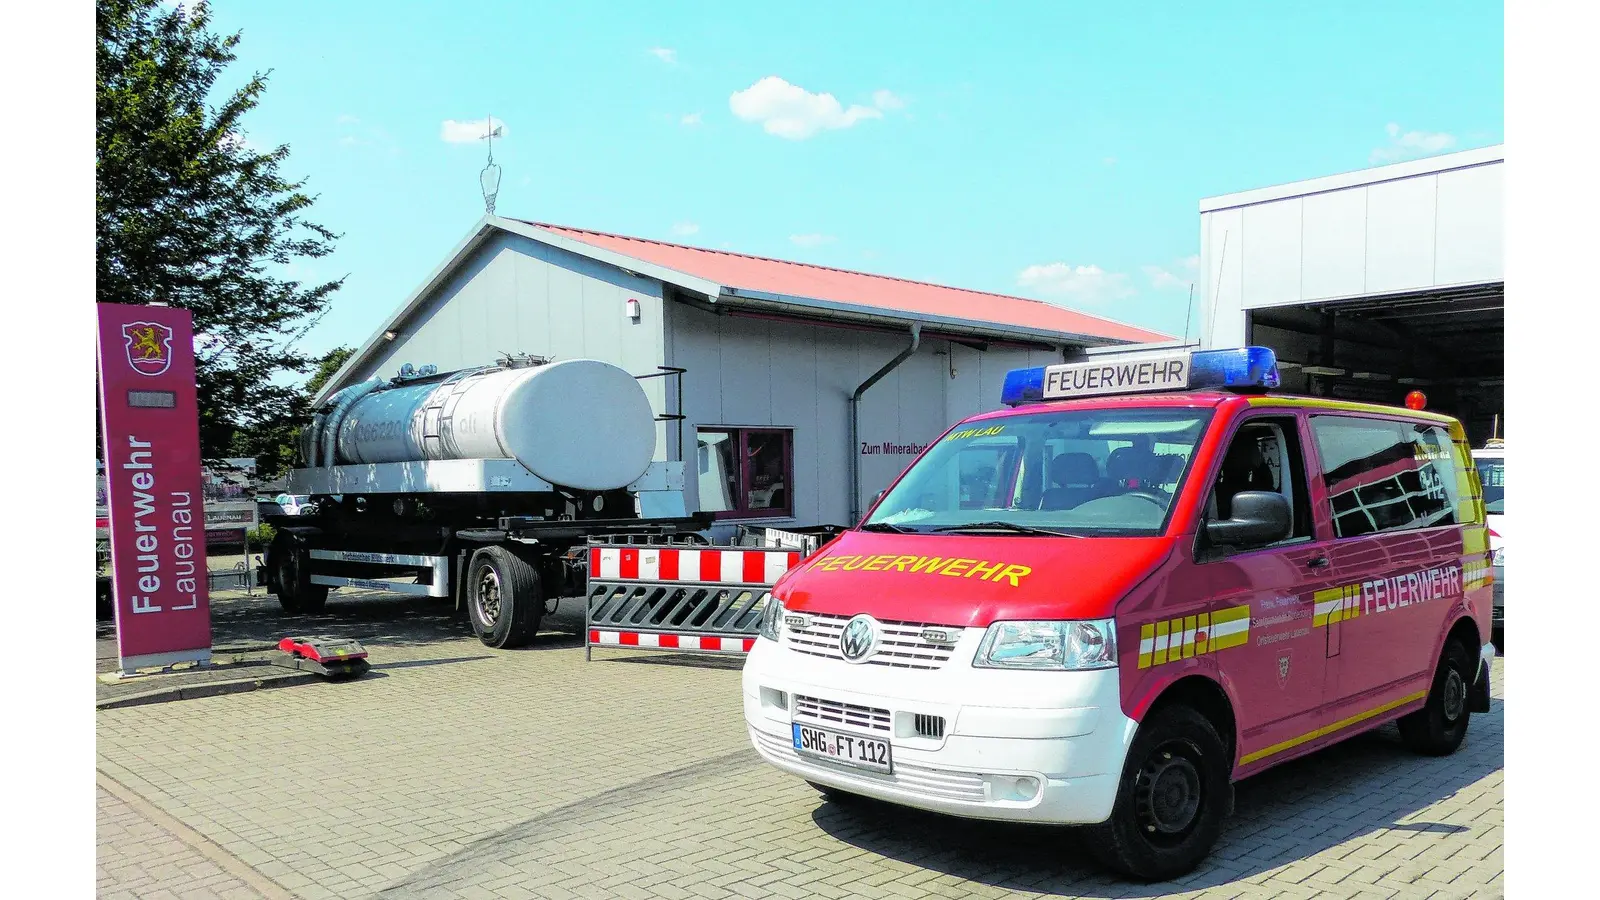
579	423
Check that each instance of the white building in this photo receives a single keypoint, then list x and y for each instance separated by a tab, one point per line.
1369	284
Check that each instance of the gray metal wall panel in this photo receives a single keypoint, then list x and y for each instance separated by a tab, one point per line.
1405	229
755	372
1471	230
1335	250
1400	234
1269	252
519	296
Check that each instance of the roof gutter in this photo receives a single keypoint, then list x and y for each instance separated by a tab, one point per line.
855	419
837	311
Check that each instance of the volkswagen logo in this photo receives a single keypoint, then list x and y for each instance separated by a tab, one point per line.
859	638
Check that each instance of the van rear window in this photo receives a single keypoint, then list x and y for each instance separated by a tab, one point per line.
1384	475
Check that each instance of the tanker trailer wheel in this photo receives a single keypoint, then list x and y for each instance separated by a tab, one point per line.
503	598
289	576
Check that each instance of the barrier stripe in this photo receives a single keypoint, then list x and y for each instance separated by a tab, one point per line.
697	566
670	641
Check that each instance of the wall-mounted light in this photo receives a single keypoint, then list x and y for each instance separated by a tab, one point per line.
390	335
633	311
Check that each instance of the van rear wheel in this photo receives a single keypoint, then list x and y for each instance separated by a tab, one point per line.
1439	727
1174	795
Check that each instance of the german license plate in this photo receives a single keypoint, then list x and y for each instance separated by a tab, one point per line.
850	749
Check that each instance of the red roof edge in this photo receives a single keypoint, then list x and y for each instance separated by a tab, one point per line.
575	232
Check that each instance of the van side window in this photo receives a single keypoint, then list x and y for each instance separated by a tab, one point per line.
1384	475
1264	456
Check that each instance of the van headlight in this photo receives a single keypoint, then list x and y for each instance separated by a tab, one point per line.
771	617
1090	644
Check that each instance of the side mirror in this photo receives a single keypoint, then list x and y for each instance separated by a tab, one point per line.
876	497
1259	517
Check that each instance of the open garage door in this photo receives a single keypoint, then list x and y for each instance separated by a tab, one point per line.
1450	344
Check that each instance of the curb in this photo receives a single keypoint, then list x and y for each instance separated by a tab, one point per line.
211	689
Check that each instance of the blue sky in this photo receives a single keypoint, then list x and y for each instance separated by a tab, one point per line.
1051	150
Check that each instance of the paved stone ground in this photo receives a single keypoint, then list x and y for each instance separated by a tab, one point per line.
459	771
140	860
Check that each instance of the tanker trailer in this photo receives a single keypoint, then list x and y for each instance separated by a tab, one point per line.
477	486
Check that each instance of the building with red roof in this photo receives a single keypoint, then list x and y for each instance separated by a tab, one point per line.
805	389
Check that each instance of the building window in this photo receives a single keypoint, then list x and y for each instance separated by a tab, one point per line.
746	472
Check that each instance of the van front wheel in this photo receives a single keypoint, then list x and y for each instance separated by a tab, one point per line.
1174	795
1439	727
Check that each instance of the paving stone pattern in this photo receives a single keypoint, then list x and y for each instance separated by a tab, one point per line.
459	771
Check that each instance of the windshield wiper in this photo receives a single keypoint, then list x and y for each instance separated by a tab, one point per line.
889	526
1012	527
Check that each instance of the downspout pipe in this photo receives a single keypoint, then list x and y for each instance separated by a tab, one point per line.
855	419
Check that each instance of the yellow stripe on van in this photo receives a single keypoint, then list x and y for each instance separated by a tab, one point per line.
1147	637
1340	725
1224	617
1326	595
1188	636
1351	406
1161	643
1202	634
1474	540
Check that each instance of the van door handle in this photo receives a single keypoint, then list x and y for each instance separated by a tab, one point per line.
1317	562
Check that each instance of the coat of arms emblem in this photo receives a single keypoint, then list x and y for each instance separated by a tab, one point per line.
1283	670
149	347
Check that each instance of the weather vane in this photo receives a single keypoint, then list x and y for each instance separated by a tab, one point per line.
489	178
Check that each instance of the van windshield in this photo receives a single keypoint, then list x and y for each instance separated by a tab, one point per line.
1492	476
1087	473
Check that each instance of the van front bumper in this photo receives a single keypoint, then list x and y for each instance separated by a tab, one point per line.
1058	760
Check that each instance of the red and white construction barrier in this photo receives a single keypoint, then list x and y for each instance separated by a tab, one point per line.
702	643
690	566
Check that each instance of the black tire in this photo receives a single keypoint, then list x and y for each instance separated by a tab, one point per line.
289	576
503	598
1439	727
1175	793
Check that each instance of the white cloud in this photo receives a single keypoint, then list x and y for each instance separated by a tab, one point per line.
347	119
665	54
1083	284
792	112
1110	160
684	229
811	240
1178	277
1411	143
453	132
690	120
886	99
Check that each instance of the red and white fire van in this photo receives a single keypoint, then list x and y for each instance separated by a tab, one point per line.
1144	581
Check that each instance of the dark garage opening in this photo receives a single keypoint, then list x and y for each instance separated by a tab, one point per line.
1449	344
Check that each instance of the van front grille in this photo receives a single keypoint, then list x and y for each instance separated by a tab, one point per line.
833	712
900	644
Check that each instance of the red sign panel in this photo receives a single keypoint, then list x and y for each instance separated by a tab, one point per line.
150	425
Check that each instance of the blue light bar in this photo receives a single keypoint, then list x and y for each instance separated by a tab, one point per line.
1245	368
1240	369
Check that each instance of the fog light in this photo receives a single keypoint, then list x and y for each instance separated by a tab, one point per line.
773	699
1011	787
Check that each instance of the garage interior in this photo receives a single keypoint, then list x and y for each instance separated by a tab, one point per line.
1447	343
